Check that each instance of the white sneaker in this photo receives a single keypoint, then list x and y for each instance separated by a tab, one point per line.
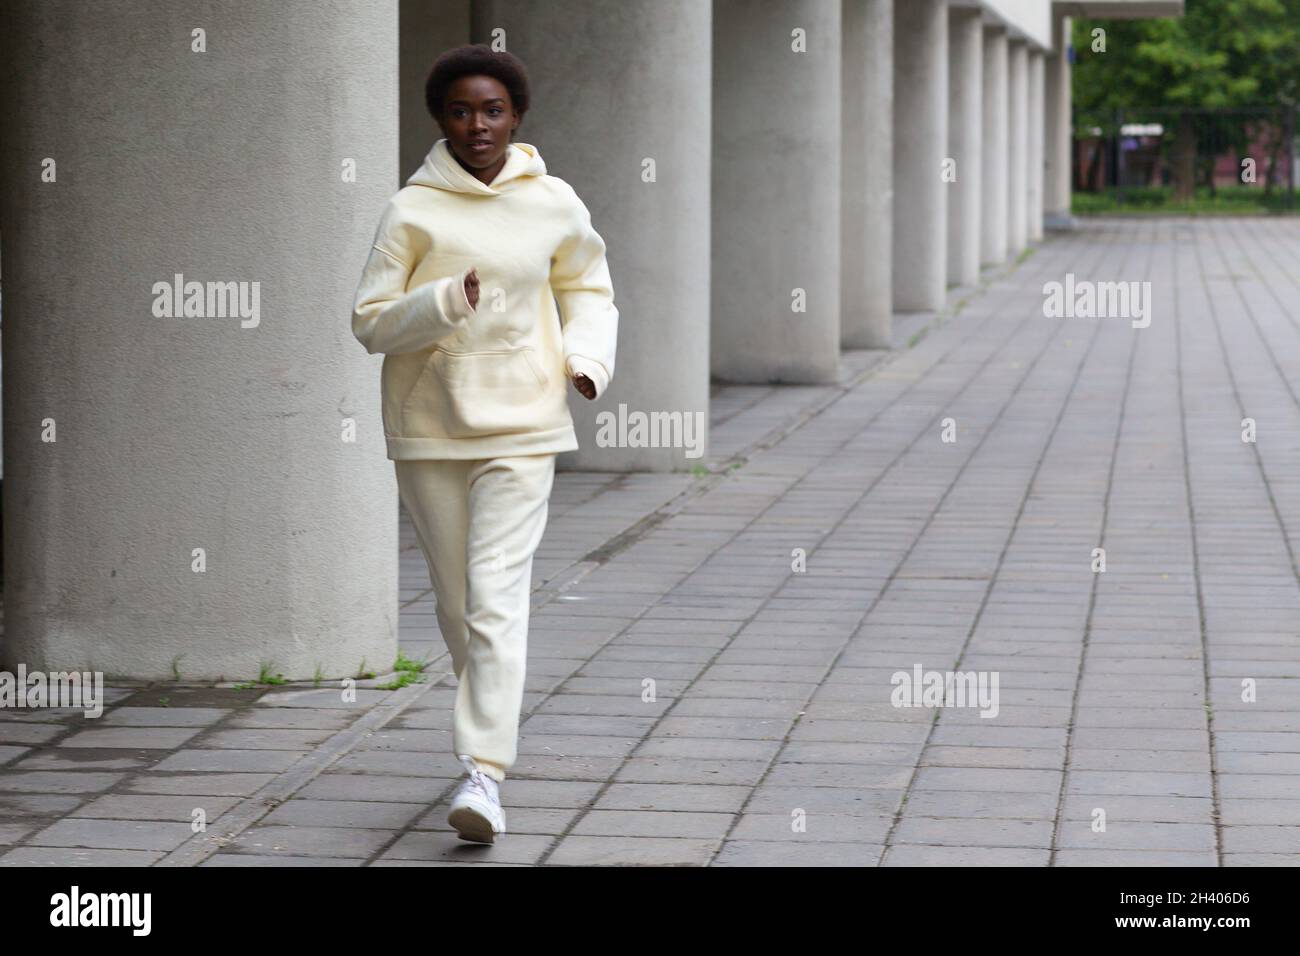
476	812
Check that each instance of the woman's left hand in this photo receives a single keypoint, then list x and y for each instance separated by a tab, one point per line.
585	386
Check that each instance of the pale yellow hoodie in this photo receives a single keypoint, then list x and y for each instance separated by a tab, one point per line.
481	383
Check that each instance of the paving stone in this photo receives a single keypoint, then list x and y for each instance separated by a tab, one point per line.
981	804
330	841
571	745
87	759
1261	839
305	812
815	826
859	731
20	805
156	807
593	704
1033	738
325	698
263	738
1177	761
77	856
230	761
1024	758
11	833
130	716
1128	835
1241	762
61	781
468	862
1240	859
1141	809
1240	811
133	738
603	727
821	751
632	851
784	853
302	718
395	763
15	733
704	798
1130	858
112	834
1233	786
257	859
919	855
845	800
426	845
198	784
1126	782
164	697
974	832
1118	738
352	787
983	778
709	748
741	707
407	739
554	794
682	770
653	823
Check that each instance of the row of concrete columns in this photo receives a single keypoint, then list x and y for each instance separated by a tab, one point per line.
996	138
992	110
1056	132
768	179
939	170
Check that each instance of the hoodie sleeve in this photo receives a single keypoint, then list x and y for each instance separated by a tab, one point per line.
385	317
581	283
576	364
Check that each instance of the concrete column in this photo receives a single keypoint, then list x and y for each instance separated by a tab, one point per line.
620	110
182	493
424	30
965	96
776	188
1034	213
993	197
867	180
1056	135
920	145
1017	146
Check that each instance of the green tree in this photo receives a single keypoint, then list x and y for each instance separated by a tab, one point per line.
1219	54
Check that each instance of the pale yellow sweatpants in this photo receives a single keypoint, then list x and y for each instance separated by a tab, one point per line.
479	523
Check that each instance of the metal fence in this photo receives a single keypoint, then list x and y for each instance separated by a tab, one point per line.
1229	160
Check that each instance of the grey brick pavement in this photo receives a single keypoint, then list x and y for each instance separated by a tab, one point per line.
693	700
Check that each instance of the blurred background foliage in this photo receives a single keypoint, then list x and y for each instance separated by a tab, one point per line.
1222	79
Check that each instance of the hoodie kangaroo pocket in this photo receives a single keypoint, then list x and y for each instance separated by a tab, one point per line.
463	394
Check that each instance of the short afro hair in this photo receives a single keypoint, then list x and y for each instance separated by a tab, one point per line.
472	60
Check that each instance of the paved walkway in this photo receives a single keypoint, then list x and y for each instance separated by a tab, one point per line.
692	700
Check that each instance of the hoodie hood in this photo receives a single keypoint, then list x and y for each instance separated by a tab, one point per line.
441	170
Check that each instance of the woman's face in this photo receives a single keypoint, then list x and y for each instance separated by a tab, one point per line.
479	111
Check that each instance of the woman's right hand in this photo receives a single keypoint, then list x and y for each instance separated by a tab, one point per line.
471	288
